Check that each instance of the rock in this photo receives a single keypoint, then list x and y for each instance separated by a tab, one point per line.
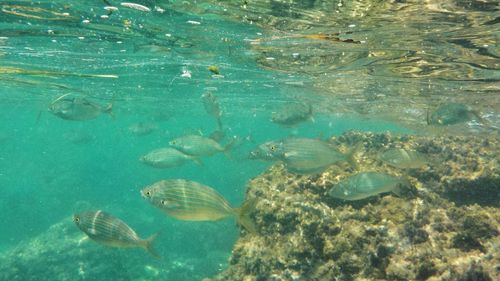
62	254
427	235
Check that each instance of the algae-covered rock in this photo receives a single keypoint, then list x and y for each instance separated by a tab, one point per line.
438	230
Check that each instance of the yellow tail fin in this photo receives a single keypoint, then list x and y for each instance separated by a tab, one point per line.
147	244
243	215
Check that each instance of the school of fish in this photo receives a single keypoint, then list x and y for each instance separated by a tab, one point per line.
188	200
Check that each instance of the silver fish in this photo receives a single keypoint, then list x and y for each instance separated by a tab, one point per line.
292	114
403	158
142	128
212	107
77	108
306	156
111	231
366	184
452	113
197	145
192	201
167	158
79	137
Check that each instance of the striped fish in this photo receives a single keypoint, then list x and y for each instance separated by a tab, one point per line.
111	231
366	184
306	156
76	108
403	158
192	201
292	114
197	145
167	158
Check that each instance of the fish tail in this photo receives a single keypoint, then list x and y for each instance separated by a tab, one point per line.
220	127
228	147
197	161
398	188
243	215
351	155
109	109
217	135
147	244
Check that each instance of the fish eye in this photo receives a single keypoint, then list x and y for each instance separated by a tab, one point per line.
148	193
163	202
273	147
76	219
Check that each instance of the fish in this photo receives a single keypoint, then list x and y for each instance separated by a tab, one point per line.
111	231
197	145
292	114
403	158
167	158
261	152
452	113
142	128
212	107
193	201
79	137
306	156
366	184
76	108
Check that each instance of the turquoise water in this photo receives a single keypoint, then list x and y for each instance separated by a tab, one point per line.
136	60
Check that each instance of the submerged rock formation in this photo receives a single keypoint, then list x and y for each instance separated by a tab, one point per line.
63	254
445	227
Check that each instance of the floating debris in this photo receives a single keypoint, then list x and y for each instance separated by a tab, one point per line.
214	69
111	231
16	70
186	73
292	114
76	108
167	158
192	201
36	13
366	184
135	6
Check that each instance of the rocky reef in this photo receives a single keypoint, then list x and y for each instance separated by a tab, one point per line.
62	253
444	227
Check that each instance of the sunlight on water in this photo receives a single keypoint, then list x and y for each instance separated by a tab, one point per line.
87	88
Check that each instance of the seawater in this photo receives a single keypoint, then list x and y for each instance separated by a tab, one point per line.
51	48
